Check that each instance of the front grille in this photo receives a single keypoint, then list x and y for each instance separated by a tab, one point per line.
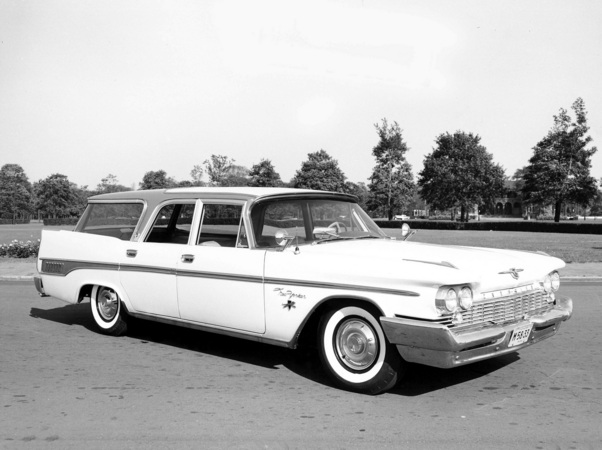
506	309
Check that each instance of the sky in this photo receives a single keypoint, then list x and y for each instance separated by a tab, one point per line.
122	87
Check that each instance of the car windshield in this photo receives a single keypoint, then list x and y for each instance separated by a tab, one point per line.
310	221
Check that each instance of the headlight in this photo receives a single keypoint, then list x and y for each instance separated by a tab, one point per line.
555	279
465	298
547	284
451	300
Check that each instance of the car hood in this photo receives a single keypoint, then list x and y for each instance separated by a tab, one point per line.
425	264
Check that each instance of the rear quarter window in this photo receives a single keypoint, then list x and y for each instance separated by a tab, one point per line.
117	220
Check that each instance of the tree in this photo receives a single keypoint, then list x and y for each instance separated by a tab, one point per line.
197	176
596	207
559	170
460	173
80	199
360	190
320	172
217	168
263	174
15	192
391	183
56	197
157	180
109	184
236	176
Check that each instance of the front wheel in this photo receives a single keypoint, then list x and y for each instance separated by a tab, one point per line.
106	310
355	353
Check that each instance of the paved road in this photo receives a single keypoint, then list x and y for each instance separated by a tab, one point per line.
62	385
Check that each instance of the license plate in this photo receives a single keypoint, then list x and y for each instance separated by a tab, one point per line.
520	335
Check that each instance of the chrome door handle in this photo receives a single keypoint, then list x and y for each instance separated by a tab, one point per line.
187	258
131	253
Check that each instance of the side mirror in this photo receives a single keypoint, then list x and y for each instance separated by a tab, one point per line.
406	232
283	239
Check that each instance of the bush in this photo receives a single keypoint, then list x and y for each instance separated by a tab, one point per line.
61	221
20	249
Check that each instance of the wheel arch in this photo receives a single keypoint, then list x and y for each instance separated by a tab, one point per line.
307	331
85	291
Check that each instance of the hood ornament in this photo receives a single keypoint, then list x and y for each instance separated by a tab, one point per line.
513	272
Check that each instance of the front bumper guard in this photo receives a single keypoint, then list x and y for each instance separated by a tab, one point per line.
437	345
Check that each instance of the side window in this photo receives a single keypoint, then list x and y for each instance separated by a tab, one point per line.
222	226
283	217
111	219
172	224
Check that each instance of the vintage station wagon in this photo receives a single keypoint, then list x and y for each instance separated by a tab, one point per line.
275	265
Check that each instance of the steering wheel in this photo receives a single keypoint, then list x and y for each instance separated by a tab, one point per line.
337	226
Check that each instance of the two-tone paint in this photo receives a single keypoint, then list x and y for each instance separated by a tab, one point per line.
269	295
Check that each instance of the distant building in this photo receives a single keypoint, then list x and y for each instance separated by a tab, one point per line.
511	202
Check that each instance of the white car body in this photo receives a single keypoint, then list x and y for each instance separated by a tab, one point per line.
339	272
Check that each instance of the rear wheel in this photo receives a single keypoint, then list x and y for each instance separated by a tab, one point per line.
355	352
107	311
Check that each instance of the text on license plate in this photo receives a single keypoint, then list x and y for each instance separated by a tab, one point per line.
520	335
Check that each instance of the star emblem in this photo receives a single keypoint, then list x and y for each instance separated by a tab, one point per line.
289	304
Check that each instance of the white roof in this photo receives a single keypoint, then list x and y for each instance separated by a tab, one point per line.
248	193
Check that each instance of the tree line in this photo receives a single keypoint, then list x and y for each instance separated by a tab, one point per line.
459	173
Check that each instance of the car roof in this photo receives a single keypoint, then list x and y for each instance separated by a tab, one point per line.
231	193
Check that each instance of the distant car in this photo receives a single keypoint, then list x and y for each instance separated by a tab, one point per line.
284	266
401	217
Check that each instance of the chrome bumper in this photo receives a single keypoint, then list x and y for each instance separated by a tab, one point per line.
436	345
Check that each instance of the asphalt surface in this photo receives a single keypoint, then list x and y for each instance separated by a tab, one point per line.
64	386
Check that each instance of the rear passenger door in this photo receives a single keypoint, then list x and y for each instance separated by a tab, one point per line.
220	279
148	268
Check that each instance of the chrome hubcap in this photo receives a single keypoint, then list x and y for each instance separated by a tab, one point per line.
356	344
107	304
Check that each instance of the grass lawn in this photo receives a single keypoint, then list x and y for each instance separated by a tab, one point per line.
577	248
29	232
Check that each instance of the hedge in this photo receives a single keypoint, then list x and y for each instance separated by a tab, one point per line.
571	227
64	221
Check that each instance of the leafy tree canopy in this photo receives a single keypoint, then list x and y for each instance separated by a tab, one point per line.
263	174
236	176
460	173
320	172
15	191
392	182
56	196
559	170
596	207
157	180
360	190
197	176
109	184
218	168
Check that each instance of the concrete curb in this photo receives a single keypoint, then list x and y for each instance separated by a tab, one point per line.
16	278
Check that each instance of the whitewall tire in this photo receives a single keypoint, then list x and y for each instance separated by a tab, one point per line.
355	352
107	311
